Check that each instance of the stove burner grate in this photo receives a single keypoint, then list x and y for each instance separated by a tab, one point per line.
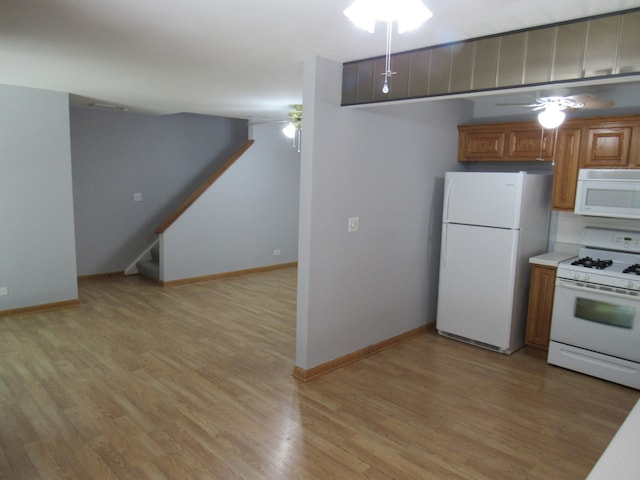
632	269
589	262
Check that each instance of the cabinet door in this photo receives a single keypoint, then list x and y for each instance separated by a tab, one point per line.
481	145
540	308
634	155
565	174
534	144
607	147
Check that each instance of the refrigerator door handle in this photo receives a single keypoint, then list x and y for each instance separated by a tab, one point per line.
447	197
443	254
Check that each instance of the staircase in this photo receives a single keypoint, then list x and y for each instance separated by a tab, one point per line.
151	268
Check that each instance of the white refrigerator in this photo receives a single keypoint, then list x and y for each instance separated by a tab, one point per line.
493	222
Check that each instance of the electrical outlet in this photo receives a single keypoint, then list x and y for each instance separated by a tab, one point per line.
4	291
276	252
354	224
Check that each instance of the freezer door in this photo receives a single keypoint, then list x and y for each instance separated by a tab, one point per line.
477	284
483	198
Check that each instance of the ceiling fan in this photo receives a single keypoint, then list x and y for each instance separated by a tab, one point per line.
552	114
293	127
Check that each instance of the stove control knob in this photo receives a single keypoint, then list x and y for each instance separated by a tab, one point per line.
631	284
585	277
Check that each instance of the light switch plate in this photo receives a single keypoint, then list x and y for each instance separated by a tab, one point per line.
354	224
137	197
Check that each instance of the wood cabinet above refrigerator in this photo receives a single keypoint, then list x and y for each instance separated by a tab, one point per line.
504	142
603	142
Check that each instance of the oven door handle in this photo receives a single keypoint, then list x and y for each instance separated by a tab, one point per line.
572	286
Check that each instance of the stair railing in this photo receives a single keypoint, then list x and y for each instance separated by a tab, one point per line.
203	188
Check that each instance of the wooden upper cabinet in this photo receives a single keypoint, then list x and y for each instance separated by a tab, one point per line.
530	144
606	142
634	154
566	165
607	147
504	142
478	143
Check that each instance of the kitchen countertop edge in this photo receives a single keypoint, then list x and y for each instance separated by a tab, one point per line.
620	459
551	259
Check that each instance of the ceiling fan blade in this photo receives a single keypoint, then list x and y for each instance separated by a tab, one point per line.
518	104
591	101
264	122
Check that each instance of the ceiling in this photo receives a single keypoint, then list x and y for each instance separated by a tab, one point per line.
234	58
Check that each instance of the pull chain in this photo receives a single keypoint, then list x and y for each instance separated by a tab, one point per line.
555	147
541	140
387	68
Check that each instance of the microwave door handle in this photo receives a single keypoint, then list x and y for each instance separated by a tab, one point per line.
572	286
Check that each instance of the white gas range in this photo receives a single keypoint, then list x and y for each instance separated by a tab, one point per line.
595	327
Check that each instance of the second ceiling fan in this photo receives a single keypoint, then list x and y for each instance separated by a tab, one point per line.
552	108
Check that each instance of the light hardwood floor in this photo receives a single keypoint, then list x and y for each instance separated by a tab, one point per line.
141	382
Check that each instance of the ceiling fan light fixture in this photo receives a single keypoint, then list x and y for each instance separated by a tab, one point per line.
289	130
409	14
551	117
361	16
413	16
293	129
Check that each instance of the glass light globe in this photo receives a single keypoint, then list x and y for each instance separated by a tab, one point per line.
410	14
289	130
551	117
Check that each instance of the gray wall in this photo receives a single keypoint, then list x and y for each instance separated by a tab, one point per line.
243	217
38	262
386	165
117	154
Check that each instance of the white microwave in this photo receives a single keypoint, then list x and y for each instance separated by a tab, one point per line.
608	192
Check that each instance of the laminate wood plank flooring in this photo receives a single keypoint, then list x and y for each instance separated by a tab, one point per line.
194	382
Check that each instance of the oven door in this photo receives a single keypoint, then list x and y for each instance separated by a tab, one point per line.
597	318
